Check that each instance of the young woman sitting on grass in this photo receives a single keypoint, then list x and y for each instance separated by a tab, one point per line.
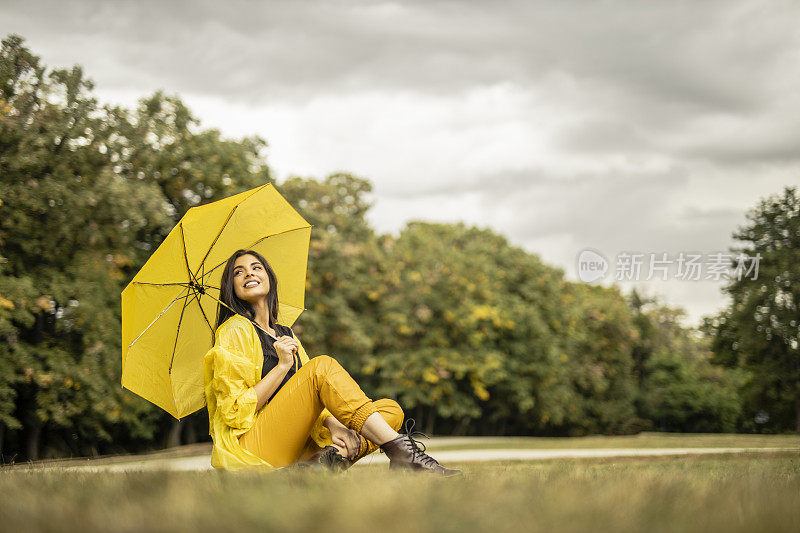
270	405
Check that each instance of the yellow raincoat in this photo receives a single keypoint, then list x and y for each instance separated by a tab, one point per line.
231	368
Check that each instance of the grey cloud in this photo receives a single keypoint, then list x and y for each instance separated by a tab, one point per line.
601	208
667	53
778	142
611	134
597	207
645	71
625	216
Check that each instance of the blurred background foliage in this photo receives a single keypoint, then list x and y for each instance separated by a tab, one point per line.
471	334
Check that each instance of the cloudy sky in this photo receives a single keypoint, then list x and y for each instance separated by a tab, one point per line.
564	125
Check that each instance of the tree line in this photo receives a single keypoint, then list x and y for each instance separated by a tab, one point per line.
471	334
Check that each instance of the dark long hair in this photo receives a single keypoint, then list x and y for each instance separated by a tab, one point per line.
227	293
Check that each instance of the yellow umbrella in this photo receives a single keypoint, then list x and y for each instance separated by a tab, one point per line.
170	307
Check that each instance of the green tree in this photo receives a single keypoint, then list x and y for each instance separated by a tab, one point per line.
61	212
759	330
643	346
343	281
681	389
598	342
442	321
86	194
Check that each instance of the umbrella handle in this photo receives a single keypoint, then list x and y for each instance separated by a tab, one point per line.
252	321
294	351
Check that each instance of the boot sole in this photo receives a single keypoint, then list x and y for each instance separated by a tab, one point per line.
409	467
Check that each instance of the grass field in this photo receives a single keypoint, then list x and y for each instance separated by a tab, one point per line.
641	440
740	492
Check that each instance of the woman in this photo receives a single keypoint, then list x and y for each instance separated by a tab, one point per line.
270	405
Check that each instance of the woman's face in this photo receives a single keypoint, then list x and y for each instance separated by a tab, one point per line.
250	280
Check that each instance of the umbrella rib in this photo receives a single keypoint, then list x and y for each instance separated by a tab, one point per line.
224	224
186	259
280	302
177	333
200	305
181	283
216	237
259	327
253	244
156	318
172	359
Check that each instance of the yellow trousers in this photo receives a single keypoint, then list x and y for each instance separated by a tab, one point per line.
281	432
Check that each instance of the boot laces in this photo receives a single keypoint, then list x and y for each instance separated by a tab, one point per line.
333	459
417	448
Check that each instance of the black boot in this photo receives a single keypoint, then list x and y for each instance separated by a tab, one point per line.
404	452
327	458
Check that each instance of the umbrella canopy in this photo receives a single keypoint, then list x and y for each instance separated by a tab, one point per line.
170	307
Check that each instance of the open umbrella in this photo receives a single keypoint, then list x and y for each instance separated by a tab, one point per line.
170	307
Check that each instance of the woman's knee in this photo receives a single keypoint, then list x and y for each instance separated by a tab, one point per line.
391	412
323	363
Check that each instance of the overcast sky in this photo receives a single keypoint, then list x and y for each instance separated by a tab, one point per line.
617	126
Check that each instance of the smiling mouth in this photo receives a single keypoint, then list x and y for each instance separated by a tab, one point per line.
249	286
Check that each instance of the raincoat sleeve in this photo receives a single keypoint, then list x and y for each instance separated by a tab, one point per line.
236	401
319	433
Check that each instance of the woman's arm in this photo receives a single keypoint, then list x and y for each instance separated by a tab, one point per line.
330	422
236	402
267	386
